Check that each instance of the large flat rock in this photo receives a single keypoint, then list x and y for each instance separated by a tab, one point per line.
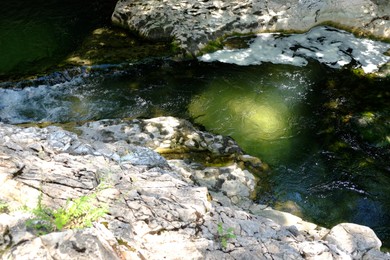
194	23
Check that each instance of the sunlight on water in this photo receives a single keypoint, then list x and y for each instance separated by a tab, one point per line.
262	109
269	118
240	112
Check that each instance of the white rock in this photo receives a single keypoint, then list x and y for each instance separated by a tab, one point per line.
353	239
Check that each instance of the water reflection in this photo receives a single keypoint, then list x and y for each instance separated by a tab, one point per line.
262	109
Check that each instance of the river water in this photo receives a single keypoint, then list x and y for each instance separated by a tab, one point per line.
324	132
37	34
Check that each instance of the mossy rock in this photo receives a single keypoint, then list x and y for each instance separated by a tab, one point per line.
110	45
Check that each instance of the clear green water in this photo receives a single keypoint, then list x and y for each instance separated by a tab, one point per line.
325	134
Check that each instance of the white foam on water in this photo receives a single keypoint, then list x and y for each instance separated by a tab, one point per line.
42	103
46	103
330	46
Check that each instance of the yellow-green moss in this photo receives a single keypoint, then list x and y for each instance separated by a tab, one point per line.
358	32
212	46
116	45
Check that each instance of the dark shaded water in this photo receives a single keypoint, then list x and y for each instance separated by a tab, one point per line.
37	34
325	133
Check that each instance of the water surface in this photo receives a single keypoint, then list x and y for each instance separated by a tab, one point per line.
325	134
37	34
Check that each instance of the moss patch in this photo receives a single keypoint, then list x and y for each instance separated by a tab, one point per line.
115	45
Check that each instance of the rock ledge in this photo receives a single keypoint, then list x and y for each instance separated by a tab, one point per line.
194	23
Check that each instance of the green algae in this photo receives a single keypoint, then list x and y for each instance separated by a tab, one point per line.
111	45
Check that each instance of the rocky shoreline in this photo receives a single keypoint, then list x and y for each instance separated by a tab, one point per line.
171	191
158	208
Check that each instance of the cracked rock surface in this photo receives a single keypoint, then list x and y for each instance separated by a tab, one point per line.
158	208
194	23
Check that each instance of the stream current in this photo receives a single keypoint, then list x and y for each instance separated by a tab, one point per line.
324	132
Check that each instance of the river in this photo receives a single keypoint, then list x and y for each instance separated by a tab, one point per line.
323	131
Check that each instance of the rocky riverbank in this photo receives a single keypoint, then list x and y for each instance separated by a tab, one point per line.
193	203
193	24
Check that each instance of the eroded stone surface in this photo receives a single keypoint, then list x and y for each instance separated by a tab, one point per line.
353	239
158	208
194	23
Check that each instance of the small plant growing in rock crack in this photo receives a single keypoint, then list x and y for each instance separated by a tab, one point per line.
3	207
224	235
77	213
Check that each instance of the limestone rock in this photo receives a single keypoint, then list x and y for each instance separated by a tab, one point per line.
158	208
194	23
353	239
162	134
70	244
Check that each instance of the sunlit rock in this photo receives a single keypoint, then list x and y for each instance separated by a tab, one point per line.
353	239
193	24
155	211
332	47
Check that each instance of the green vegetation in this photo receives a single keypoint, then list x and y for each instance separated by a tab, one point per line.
3	207
212	46
175	46
224	235
111	45
77	213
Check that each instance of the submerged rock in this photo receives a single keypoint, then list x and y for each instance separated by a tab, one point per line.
157	208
